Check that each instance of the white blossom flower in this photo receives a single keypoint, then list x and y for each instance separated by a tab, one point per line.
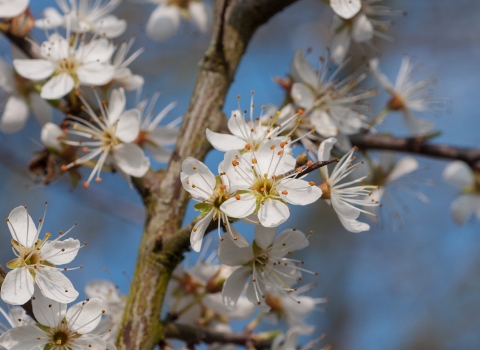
114	305
262	264
346	8
460	175
332	106
153	137
85	16
347	200
123	75
261	186
165	19
288	341
12	8
210	192
292	308
57	328
17	96
408	96
110	137
249	135
36	261
68	65
360	28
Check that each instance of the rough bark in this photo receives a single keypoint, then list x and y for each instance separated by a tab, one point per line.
163	242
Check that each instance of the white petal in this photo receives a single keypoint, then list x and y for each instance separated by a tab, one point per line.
7	78
160	154
52	251
99	50
34	69
299	191
287	241
264	236
241	208
128	125
54	285
101	289
323	123
22	227
342	208
302	71
201	14
196	237
362	29
47	312
415	125
40	108
269	161
163	135
131	159
84	317
324	151
353	225
231	254
225	142
349	122
91	342
464	206
110	26
17	288
163	22
404	166
116	105
379	76
51	135
302	95
299	306
273	213
459	174
201	180
340	46
57	87
243	309
15	114
346	8
234	285
12	8
95	73
56	48
252	296
51	19
24	338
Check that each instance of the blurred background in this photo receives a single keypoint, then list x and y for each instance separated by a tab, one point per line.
411	282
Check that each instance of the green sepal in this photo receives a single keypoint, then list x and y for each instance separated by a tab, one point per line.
203	207
15	263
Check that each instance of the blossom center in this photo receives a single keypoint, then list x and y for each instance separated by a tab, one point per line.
68	65
396	103
109	138
274	302
265	187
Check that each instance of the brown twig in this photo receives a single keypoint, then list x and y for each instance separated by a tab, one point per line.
199	335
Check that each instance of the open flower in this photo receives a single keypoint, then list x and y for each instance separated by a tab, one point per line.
210	192
12	8
262	188
407	96
153	137
85	16
110	137
35	262
460	175
249	135
68	64
165	19
57	328
359	28
123	75
17	97
332	106
262	264
347	200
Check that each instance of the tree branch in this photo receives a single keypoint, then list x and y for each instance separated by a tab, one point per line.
197	335
163	242
417	145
